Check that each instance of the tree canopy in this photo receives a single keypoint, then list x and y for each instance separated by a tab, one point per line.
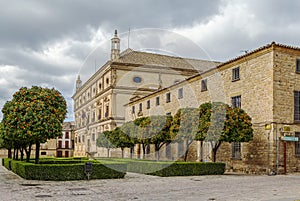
184	127
220	123
34	115
103	141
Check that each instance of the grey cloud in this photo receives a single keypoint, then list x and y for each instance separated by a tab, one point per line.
31	23
28	28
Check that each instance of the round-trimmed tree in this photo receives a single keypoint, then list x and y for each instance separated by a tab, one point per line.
35	114
220	123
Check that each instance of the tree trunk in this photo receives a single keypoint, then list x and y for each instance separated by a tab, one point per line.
186	154
157	152
215	149
107	152
28	152
187	149
14	154
131	152
17	154
37	152
122	148
9	155
201	149
144	150
22	153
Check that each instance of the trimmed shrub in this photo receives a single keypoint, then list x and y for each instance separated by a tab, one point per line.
7	163
64	172
169	168
191	169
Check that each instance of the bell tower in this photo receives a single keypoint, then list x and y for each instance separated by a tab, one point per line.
115	47
78	83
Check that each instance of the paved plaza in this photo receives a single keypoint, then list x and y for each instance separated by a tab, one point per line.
143	187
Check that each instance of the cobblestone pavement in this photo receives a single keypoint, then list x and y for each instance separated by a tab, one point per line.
142	187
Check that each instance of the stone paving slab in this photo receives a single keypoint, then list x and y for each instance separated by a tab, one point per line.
229	187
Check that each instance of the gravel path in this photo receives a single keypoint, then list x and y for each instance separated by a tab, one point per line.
230	187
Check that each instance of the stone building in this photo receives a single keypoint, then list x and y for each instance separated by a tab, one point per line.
65	143
128	75
61	146
266	84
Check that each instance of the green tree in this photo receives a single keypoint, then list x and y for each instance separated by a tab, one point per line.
185	127
120	139
141	132
35	115
220	123
102	141
130	129
159	129
5	140
10	132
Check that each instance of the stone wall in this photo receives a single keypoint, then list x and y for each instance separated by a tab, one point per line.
266	85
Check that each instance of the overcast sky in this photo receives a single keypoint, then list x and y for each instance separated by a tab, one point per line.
47	43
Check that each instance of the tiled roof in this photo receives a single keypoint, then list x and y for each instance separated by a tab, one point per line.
151	59
68	125
259	49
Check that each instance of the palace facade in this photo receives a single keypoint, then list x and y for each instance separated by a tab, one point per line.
99	103
266	84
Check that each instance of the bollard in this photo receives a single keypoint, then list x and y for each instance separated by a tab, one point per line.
88	169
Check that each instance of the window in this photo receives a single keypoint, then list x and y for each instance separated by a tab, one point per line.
148	104
133	109
297	144
169	114
67	135
100	114
59	153
236	150
137	79
236	102
140	107
94	116
93	136
82	139
157	101
100	86
59	144
106	110
180	93
107	80
204	85
168	97
298	66
43	153
296	105
67	144
236	74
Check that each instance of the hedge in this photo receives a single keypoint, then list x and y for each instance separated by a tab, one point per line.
191	169
169	168
7	163
64	172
